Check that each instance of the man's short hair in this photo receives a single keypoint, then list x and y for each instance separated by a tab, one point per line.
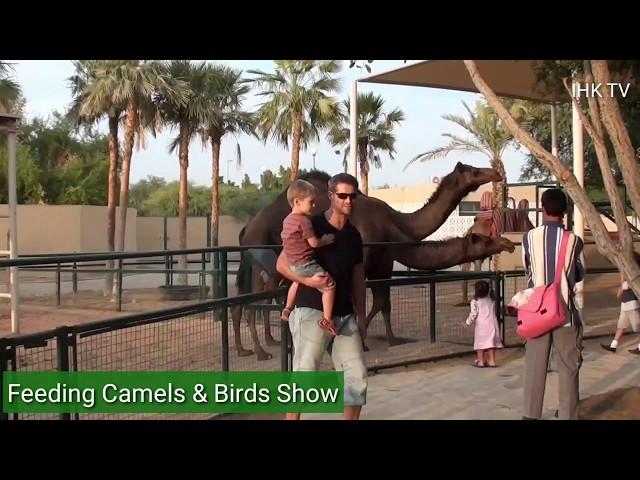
554	202
300	189
342	178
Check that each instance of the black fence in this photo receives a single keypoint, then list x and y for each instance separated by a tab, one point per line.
427	320
141	278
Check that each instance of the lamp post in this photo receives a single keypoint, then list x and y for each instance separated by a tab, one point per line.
313	154
9	125
344	163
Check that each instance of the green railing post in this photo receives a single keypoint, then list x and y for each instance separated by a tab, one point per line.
223	274
171	270
166	271
4	367
58	284
119	285
284	345
203	275
215	282
498	294
62	347
224	314
432	312
74	277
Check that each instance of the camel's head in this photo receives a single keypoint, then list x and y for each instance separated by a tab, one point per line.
482	246
505	245
474	177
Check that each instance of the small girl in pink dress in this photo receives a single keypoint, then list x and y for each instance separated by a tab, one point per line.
487	333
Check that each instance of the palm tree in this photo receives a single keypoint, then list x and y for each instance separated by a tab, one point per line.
10	91
88	107
375	133
490	138
225	95
134	86
187	116
298	104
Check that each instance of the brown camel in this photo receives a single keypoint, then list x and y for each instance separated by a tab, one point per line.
378	222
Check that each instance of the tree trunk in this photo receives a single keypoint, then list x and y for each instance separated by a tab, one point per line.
499	187
183	199
112	197
130	128
295	148
215	190
364	168
594	128
619	135
629	268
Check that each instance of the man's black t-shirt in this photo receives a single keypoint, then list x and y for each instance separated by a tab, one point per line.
338	260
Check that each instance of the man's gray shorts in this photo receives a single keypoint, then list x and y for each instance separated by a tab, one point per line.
310	342
629	318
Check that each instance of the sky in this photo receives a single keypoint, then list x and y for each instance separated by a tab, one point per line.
45	86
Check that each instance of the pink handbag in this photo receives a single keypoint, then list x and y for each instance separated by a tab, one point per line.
545	309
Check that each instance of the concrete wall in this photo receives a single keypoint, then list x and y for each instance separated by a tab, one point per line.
94	229
63	228
44	228
150	232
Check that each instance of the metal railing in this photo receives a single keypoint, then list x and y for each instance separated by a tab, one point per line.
210	266
427	319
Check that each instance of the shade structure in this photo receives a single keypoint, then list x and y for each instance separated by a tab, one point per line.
507	78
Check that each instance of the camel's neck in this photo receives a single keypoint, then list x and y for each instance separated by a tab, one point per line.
441	255
423	222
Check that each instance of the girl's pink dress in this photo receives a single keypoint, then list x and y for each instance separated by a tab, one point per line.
487	332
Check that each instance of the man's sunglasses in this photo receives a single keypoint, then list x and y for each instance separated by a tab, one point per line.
344	196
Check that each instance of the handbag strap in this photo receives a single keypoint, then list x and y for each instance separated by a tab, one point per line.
561	257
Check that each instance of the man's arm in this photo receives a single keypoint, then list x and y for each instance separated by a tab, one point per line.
359	298
319	280
580	271
580	264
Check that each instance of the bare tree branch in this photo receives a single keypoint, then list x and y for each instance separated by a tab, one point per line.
594	129
606	247
618	134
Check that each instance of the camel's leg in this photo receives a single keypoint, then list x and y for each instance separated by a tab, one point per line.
386	316
376	306
268	337
257	285
382	303
260	352
236	316
272	284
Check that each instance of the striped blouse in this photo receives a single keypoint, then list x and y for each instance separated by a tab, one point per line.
540	250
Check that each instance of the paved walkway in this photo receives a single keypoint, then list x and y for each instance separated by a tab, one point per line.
453	389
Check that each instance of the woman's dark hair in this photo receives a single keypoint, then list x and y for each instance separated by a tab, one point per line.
482	290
